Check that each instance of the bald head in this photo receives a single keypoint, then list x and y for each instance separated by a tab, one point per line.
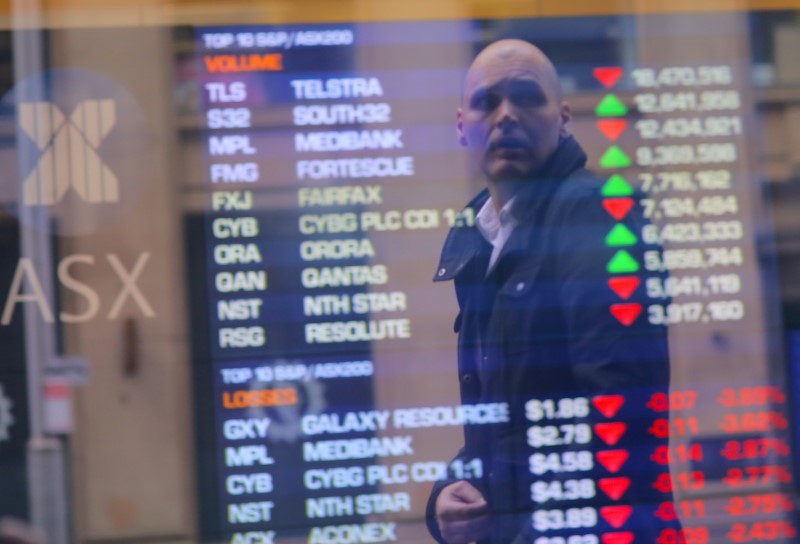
510	52
512	114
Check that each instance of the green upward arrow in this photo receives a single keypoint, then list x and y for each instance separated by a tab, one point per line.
622	263
620	236
611	106
617	186
614	157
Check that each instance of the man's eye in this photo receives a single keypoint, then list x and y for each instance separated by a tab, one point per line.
528	98
484	101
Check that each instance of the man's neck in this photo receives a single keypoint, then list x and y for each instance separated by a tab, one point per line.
502	192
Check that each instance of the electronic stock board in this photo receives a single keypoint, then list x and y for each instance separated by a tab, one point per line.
325	364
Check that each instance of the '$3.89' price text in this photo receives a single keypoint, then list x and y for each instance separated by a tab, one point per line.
571	518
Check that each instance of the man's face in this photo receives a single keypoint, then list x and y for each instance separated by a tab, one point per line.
511	118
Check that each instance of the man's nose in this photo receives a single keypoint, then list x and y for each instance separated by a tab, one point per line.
506	114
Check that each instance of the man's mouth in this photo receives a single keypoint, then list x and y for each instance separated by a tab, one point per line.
510	146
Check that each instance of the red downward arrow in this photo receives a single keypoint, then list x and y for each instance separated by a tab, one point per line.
626	313
618	207
617	538
608	405
612	128
612	459
615	488
608	75
624	286
616	516
610	433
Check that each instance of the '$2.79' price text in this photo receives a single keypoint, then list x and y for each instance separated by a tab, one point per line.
559	435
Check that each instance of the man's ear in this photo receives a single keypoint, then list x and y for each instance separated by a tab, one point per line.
566	119
460	128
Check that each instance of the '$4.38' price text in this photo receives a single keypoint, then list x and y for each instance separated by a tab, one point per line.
566	490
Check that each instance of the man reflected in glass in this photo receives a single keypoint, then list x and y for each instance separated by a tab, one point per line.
536	330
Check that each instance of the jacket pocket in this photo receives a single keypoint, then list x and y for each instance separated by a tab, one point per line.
524	312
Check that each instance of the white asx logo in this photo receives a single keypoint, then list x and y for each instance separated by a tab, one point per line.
70	157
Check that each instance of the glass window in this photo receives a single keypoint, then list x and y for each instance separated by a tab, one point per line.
360	273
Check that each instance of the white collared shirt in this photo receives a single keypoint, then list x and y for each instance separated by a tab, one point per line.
495	228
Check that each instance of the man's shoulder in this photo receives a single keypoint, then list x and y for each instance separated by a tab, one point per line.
573	196
581	183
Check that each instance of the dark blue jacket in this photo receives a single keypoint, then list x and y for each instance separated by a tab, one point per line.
539	326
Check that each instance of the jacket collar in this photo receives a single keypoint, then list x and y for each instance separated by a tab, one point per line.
464	243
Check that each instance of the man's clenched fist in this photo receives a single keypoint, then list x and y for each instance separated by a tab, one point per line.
462	513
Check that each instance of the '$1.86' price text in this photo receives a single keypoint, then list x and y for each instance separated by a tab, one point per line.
568	408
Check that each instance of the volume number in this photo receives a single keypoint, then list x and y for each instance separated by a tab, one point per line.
694	258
